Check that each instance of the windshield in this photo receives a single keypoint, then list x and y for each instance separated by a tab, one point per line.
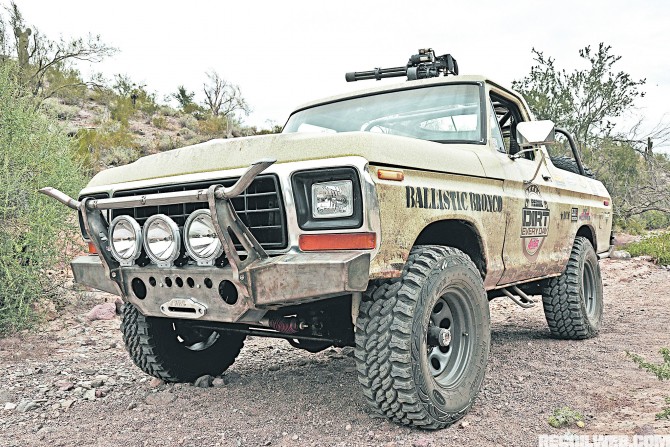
444	113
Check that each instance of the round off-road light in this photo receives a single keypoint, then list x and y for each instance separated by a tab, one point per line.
125	237
162	240
200	238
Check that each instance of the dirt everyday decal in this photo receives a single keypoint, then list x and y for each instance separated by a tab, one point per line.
534	221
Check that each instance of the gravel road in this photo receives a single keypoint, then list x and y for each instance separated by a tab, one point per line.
73	384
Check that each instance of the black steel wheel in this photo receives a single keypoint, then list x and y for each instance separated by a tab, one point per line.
573	302
422	341
175	351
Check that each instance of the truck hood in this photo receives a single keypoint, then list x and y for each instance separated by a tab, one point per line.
222	154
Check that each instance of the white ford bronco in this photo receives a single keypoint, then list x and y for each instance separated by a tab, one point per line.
385	219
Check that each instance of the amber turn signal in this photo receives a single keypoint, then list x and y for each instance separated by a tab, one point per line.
338	241
388	174
91	248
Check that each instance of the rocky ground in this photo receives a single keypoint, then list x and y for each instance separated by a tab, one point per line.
73	384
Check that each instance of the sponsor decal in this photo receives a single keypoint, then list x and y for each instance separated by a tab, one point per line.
573	214
439	199
534	221
586	214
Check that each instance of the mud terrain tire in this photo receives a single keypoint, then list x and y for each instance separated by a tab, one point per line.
570	165
573	302
395	362
154	346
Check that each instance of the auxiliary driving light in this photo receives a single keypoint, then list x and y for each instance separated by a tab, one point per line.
125	235
162	240
332	199
200	238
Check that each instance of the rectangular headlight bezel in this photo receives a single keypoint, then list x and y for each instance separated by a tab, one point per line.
303	181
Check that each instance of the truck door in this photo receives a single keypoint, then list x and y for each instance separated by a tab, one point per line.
532	204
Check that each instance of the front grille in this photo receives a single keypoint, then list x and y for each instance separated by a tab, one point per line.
260	207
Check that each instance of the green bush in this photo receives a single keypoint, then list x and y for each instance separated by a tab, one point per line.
660	370
111	144
563	417
159	122
34	230
56	109
214	127
122	109
658	247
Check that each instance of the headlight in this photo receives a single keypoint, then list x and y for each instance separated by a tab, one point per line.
162	240
125	237
200	238
328	199
332	199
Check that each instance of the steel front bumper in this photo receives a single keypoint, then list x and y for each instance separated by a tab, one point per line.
204	292
242	291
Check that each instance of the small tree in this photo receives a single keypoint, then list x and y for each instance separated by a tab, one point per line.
585	101
41	59
34	230
223	98
185	100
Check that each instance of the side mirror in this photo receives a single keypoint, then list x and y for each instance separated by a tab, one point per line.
535	133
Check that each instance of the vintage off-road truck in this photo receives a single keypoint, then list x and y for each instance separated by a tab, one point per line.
385	219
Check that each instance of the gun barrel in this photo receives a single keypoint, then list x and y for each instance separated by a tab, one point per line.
377	73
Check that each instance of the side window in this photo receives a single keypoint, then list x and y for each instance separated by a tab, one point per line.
508	116
496	133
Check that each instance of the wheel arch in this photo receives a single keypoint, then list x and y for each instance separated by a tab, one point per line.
456	233
589	233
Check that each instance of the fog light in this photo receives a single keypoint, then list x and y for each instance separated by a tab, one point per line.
162	240
125	236
332	199
200	238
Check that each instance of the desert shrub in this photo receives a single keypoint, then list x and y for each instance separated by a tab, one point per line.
55	109
214	127
563	417
660	370
657	246
125	88
168	111
188	122
166	143
159	121
186	133
76	90
122	109
118	156
99	147
34	152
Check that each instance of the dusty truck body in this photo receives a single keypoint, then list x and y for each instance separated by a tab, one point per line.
384	219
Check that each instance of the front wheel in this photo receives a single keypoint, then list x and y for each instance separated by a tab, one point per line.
422	341
573	302
173	350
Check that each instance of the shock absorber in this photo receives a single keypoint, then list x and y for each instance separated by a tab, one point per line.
285	325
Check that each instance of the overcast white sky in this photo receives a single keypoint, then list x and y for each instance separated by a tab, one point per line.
284	53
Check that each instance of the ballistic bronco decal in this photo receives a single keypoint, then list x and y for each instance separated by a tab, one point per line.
534	221
438	199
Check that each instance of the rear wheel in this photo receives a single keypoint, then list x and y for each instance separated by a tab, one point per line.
422	341
573	302
175	351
